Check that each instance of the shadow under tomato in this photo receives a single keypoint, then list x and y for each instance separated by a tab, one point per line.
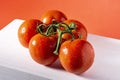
56	65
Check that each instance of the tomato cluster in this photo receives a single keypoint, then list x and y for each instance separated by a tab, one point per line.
54	36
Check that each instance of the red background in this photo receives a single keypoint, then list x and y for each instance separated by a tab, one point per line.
101	17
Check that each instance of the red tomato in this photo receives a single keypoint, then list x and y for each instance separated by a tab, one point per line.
27	30
41	49
79	31
53	14
76	56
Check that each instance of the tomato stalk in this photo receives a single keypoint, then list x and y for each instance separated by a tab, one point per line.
60	33
51	30
46	30
55	26
68	29
41	28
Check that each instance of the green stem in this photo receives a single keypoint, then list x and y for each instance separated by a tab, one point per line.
52	30
60	33
49	29
40	28
64	25
58	42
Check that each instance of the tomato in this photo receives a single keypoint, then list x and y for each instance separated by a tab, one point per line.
76	56
79	31
58	16
27	30
41	49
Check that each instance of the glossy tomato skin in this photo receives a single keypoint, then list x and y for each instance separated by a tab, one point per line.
76	56
27	30
53	14
80	30
41	49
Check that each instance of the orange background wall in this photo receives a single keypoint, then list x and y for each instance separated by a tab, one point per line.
101	17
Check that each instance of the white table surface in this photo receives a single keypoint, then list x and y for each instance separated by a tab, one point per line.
16	63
